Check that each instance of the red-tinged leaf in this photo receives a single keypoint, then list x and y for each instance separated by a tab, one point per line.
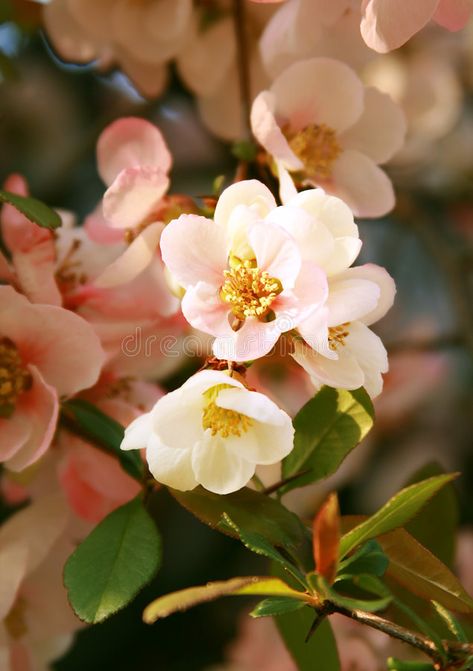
326	538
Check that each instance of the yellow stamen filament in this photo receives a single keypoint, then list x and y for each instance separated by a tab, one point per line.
221	421
249	291
337	335
14	378
318	149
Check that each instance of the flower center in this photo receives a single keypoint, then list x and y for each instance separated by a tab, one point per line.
249	291
14	378
220	420
318	148
337	335
15	620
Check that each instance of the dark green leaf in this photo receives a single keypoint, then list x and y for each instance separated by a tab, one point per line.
276	606
369	605
452	623
255	513
370	559
245	150
259	545
193	596
441	512
92	423
113	563
327	428
32	209
395	513
419	571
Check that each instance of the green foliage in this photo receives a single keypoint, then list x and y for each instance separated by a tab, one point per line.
441	512
193	596
276	606
367	583
399	665
368	560
327	428
32	209
119	557
255	513
452	623
320	651
419	571
395	513
244	150
104	431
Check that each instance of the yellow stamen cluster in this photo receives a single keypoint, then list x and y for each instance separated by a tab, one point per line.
15	620
14	378
337	335
249	291
318	148
221	421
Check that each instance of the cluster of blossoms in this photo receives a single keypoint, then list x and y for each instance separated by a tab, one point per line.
245	275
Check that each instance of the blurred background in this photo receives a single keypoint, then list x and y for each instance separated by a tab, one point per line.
51	115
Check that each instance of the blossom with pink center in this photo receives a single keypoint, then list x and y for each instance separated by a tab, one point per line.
32	251
33	549
318	122
388	24
41	359
244	277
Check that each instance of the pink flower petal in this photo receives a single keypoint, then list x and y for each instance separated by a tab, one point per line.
38	409
362	185
133	195
268	133
276	252
388	24
134	259
250	193
387	289
380	131
343	372
350	298
453	14
309	293
204	310
99	230
131	142
320	91
252	341
195	249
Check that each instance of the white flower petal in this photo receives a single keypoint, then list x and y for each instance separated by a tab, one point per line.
387	289
251	193
350	299
218	469
268	133
371	355
344	372
170	465
137	433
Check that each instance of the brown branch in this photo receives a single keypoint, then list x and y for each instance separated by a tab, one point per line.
239	15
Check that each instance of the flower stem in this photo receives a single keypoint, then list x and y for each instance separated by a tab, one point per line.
239	15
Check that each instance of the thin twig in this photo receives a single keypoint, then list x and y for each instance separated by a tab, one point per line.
239	15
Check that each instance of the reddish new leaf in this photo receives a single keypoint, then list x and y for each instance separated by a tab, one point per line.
326	538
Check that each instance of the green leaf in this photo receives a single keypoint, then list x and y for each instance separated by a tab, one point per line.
399	665
419	571
259	545
395	513
327	428
369	605
193	596
95	425
321	647
116	560
244	150
255	513
369	559
452	623
441	512
276	606
32	209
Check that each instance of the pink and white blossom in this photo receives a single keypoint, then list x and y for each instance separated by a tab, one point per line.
225	431
245	279
41	360
319	123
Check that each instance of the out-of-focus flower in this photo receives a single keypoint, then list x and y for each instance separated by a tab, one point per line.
139	37
245	280
211	431
302	29
41	359
32	250
388	24
464	558
426	86
319	122
32	554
